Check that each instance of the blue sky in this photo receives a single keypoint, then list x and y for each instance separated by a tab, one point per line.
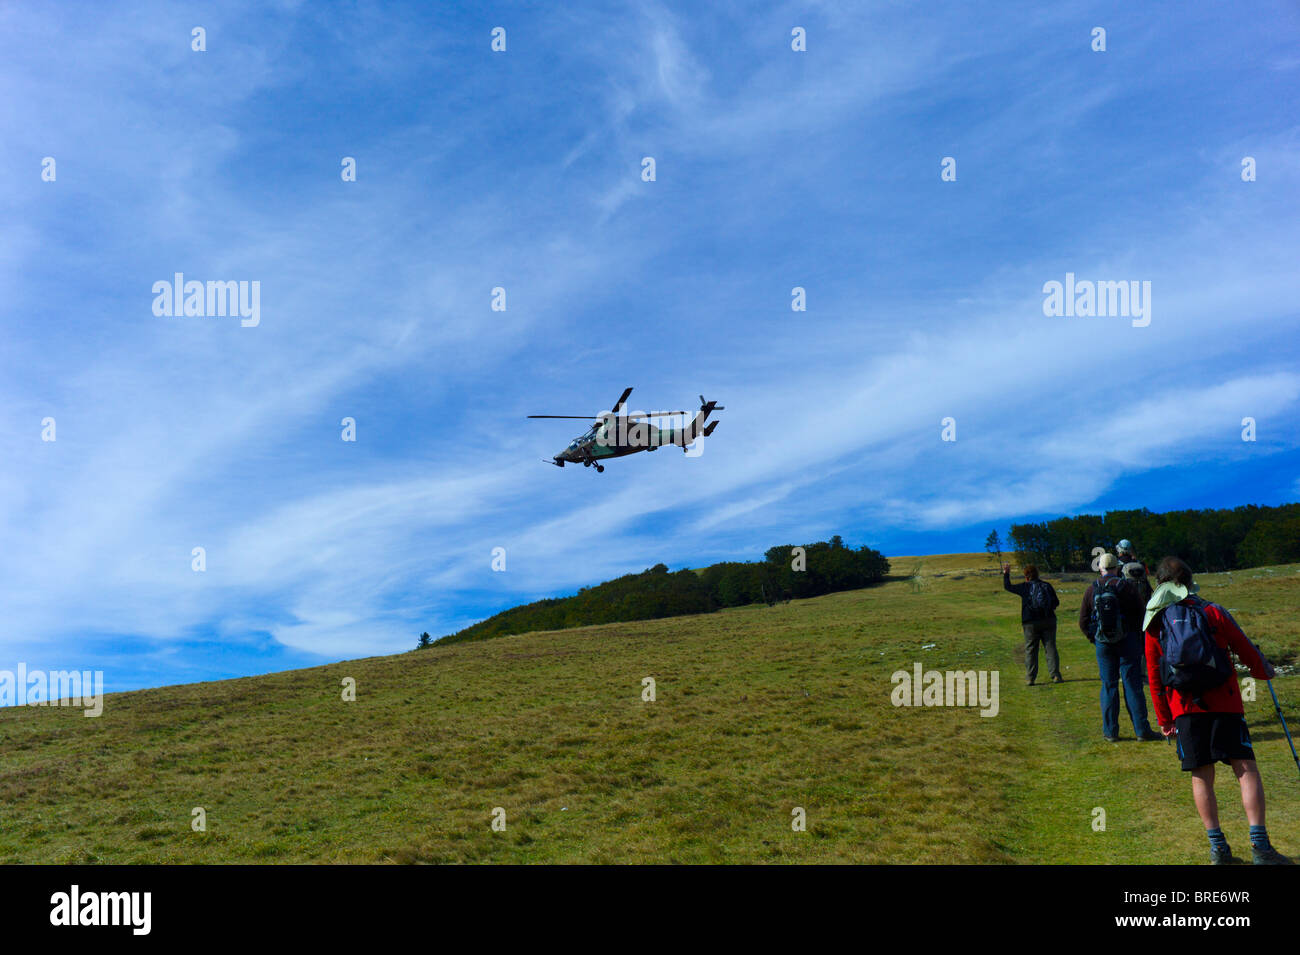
522	169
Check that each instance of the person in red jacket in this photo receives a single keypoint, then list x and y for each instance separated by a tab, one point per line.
1209	727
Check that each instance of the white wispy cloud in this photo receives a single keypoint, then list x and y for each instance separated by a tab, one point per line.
777	169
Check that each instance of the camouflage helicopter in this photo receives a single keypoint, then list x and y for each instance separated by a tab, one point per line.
616	433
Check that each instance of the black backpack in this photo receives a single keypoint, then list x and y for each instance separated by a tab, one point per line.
1107	617
1136	572
1040	601
1191	660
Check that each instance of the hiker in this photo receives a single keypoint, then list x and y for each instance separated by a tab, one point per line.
1197	701
1133	569
1109	617
1038	603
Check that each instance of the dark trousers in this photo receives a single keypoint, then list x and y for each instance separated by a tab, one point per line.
1122	663
1041	632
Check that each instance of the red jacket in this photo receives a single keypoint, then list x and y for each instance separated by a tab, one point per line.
1224	698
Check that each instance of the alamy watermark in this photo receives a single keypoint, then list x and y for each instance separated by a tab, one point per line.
23	687
635	430
1101	299
921	687
194	299
129	909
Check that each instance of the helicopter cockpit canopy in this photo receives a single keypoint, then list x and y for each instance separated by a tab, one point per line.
585	438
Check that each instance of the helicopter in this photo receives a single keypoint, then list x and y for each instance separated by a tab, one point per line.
617	433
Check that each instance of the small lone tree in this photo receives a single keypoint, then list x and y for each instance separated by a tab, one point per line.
993	544
425	641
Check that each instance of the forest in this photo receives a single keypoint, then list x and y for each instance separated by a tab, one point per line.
786	571
1209	540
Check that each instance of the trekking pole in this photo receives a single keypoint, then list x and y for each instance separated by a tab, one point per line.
1278	707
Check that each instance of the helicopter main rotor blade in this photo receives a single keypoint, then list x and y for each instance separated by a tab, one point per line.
575	417
622	398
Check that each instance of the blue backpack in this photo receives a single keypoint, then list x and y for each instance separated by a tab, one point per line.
1191	661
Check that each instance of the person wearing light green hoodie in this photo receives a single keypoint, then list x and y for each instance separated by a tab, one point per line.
1197	701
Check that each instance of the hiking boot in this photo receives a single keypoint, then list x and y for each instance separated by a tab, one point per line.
1111	739
1058	679
1268	856
1029	683
1223	856
1151	736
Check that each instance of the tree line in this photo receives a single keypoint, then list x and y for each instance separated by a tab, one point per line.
1210	540
785	572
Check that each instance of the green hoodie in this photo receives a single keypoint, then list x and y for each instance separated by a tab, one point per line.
1166	595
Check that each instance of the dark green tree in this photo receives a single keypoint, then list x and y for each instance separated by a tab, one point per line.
993	545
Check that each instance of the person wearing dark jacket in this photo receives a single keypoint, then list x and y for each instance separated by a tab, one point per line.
1210	727
1038	603
1119	652
1131	568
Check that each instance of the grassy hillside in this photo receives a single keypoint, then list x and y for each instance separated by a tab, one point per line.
759	710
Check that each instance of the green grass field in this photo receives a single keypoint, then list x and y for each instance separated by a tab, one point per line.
758	711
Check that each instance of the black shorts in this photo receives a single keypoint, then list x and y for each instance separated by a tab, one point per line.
1205	738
